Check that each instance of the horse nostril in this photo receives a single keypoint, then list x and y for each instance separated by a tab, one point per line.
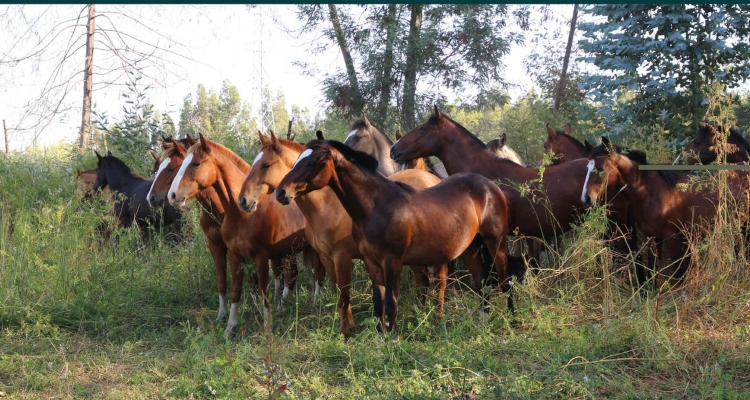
243	202
173	195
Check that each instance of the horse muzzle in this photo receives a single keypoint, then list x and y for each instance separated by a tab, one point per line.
153	201
398	156
247	206
282	196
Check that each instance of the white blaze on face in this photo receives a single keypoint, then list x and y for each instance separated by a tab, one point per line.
178	177
304	154
161	168
676	160
257	158
589	168
352	133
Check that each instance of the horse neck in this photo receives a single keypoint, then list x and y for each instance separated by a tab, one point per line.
231	175
573	149
461	153
210	201
118	178
355	189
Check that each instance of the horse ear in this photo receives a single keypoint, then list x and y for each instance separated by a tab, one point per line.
190	140
437	113
319	135
98	156
588	145
109	153
154	155
503	139
605	142
568	129
550	130
205	143
364	118
276	142
263	139
398	134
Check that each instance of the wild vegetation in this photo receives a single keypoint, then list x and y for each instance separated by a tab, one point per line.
92	310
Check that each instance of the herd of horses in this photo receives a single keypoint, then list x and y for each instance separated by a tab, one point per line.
387	204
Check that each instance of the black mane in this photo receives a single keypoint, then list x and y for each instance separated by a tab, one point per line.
433	119
359	158
116	163
671	177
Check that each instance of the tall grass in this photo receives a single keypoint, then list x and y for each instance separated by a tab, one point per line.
84	316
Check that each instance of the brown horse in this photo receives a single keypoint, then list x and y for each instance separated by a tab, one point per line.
662	207
394	224
424	163
705	146
329	227
543	210
85	183
274	232
563	147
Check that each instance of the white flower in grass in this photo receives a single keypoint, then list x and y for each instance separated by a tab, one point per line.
585	379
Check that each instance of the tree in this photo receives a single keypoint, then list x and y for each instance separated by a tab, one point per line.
68	36
666	56
405	55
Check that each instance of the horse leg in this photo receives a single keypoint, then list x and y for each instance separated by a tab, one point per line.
422	280
441	276
342	278
479	274
238	273
290	272
261	265
311	258
496	245
218	251
378	293
677	250
278	274
392	276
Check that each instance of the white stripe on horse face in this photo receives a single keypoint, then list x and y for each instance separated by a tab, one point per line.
304	154
161	168
178	177
589	168
676	160
257	158
352	133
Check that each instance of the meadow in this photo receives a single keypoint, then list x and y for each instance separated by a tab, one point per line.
87	315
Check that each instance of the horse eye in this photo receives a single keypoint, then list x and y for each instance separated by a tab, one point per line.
196	164
170	169
266	165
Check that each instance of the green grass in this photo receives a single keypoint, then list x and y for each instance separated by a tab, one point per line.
83	316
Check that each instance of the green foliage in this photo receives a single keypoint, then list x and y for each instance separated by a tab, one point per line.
659	61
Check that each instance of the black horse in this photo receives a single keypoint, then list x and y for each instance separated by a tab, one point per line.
129	193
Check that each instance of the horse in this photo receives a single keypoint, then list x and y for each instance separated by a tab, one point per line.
131	205
395	224
662	207
273	233
499	147
329	227
85	183
563	147
546	207
704	148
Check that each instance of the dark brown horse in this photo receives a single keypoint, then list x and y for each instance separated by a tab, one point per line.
274	232
665	203
329	227
424	163
544	209
394	224
130	193
708	142
563	147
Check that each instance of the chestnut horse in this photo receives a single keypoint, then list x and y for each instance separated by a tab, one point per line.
394	224
130	194
543	210
662	206
274	232
704	148
499	147
329	227
563	147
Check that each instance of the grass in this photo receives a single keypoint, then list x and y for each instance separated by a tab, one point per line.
83	316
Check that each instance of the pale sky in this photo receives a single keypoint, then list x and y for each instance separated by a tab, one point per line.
224	42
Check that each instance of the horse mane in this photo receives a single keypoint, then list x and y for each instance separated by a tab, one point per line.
670	177
573	140
172	150
288	143
224	151
433	119
359	158
736	138
118	164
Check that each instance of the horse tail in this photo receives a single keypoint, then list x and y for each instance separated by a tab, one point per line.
516	266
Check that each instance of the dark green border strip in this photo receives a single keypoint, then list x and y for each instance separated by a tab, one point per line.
694	167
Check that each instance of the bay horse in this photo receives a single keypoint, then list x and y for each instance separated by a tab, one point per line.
500	148
665	202
395	224
368	138
546	207
272	233
563	147
130	194
329	227
705	146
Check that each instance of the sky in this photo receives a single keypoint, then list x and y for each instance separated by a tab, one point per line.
213	43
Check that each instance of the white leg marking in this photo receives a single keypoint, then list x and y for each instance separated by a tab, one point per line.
222	308
233	317
285	294
589	168
178	177
317	291
161	168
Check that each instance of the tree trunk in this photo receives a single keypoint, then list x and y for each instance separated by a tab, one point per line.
88	82
7	146
410	71
386	82
566	60
355	96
